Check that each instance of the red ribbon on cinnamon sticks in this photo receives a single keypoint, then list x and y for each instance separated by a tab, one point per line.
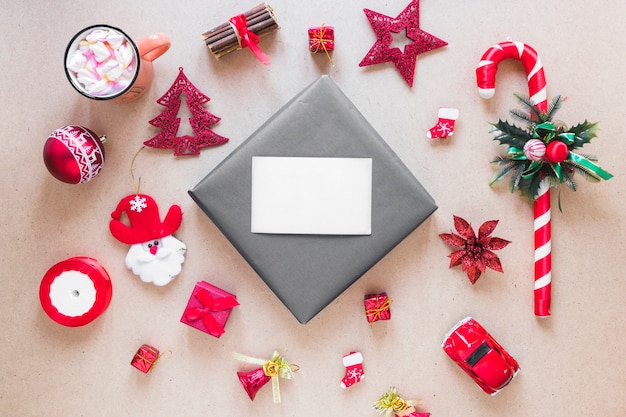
247	38
210	305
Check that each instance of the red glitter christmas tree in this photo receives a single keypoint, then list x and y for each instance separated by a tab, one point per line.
200	121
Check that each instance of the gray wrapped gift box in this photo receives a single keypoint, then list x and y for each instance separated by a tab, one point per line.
307	272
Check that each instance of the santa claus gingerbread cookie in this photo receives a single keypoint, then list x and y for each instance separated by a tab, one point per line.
154	255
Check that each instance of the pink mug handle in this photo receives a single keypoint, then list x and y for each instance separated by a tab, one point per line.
153	46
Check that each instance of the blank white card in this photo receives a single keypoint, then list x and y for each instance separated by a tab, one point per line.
296	195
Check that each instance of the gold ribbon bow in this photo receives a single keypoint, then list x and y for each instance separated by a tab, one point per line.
391	403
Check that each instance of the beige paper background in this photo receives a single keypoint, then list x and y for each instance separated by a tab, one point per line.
572	363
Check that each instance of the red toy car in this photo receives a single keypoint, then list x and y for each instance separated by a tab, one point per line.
480	356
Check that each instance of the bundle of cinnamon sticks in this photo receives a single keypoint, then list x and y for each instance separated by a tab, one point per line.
223	39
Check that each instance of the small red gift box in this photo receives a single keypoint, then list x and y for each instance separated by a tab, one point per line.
208	308
145	358
322	39
377	307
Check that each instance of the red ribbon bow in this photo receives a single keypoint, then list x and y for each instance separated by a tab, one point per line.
247	38
210	305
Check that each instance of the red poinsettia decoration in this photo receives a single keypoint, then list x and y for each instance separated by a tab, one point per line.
477	252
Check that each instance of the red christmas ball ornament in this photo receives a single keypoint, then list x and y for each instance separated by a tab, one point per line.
74	154
534	150
557	151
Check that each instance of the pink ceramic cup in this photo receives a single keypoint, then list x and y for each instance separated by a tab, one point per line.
104	63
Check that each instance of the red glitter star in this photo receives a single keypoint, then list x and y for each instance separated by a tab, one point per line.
384	26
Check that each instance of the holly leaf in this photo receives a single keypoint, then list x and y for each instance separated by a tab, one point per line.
509	134
583	133
530	186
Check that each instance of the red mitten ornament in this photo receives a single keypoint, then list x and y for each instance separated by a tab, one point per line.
154	255
201	120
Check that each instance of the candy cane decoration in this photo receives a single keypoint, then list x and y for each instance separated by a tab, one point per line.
486	80
488	65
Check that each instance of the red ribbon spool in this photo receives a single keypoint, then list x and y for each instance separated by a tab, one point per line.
76	291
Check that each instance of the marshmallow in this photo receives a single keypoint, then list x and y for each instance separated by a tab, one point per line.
100	51
110	70
104	62
86	77
97	35
115	39
125	55
99	88
77	61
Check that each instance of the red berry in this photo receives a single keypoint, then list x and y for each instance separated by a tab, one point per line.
557	151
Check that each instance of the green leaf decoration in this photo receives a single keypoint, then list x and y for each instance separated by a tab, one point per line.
569	180
583	133
522	116
516	178
526	175
554	106
508	134
508	166
585	172
530	107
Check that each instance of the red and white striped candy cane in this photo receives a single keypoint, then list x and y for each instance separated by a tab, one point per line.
486	80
